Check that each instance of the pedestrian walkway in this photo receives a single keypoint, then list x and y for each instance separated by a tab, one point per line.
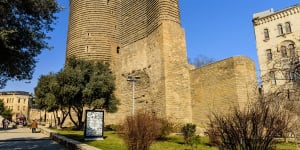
22	138
20	134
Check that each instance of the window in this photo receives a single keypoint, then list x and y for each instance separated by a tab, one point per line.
87	49
269	54
280	31
288	27
24	100
24	108
292	50
18	107
283	51
118	50
273	78
19	100
266	34
288	75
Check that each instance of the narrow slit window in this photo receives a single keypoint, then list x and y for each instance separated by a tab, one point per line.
87	49
118	50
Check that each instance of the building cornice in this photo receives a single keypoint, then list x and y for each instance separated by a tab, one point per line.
277	15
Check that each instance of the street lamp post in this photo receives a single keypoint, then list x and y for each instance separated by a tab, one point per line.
133	79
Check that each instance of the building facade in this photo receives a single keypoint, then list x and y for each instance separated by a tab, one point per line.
19	102
144	39
277	36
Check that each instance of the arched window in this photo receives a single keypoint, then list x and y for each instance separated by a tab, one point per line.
269	54
283	51
280	30
292	50
266	34
288	27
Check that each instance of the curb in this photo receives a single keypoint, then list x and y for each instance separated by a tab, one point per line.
68	143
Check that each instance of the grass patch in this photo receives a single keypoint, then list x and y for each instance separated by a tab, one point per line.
286	146
113	141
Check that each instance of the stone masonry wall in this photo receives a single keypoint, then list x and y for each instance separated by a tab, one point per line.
152	46
144	38
93	29
164	85
219	86
139	18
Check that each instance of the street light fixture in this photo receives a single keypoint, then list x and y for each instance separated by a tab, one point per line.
133	79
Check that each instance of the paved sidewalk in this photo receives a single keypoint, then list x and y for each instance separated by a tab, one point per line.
20	134
23	139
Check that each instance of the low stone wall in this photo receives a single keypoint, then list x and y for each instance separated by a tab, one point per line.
68	143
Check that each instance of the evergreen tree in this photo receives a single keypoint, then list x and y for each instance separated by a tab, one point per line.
23	28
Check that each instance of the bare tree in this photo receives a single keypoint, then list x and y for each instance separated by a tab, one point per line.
201	60
281	81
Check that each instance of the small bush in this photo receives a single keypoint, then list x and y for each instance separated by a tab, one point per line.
188	132
167	127
110	127
140	131
214	136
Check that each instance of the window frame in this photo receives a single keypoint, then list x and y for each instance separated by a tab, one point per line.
273	77
288	28
280	29
292	50
283	51
269	54
266	34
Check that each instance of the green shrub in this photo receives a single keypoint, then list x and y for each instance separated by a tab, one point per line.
110	127
188	132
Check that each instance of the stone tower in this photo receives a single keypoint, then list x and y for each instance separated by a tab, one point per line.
141	38
92	29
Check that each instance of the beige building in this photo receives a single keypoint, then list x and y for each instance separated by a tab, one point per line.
145	39
19	102
278	44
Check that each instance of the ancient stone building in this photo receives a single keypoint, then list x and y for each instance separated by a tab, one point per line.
144	39
19	102
277	40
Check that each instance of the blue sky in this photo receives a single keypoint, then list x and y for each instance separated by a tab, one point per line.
215	28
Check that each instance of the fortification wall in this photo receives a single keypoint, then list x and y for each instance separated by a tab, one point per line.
144	38
219	86
164	85
153	48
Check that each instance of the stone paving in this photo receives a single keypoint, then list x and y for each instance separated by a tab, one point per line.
22	138
20	134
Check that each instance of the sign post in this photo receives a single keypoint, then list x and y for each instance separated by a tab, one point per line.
94	125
